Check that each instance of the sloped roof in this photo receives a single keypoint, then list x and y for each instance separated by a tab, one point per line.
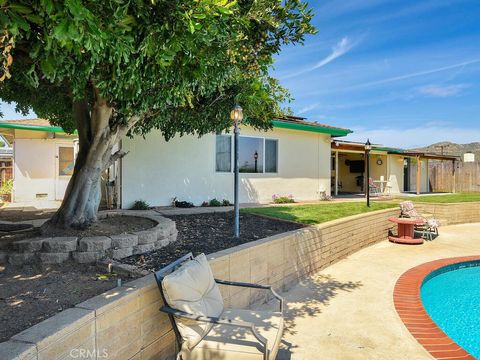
299	123
30	124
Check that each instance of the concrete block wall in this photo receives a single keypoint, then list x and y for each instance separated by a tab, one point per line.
451	214
125	323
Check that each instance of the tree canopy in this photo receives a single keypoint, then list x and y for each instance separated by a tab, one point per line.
176	65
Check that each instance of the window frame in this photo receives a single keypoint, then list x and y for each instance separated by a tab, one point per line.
232	165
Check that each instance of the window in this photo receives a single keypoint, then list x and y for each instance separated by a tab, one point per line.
65	161
223	153
250	154
271	155
255	155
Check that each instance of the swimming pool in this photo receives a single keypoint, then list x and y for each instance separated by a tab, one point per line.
451	296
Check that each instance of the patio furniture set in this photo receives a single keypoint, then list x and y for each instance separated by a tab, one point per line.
410	223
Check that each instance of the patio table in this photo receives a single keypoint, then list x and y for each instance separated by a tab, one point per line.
406	230
382	183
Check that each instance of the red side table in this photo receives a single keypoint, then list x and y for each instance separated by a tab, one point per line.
405	233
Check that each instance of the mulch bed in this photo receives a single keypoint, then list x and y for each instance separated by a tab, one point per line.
31	294
209	233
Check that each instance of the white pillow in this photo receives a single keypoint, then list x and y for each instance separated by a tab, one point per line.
192	288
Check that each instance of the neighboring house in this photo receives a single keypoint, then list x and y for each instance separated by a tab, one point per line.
292	158
43	159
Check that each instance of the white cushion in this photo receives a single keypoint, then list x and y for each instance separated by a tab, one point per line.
192	288
231	342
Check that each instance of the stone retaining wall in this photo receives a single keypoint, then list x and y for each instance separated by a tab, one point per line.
56	250
125	323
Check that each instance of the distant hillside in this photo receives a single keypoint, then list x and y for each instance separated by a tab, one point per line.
450	148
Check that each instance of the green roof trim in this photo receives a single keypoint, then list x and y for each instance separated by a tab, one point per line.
51	129
393	150
311	128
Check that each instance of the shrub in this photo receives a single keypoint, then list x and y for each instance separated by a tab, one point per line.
204	204
214	202
225	202
277	199
6	187
181	204
140	205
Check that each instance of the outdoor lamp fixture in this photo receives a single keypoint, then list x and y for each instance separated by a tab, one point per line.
236	115
255	156
368	147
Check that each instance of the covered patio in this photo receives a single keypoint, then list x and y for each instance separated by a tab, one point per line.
392	170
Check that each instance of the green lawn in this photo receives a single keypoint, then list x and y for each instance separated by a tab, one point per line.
451	198
318	213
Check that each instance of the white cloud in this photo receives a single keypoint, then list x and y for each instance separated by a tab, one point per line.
307	108
429	133
442	90
340	49
419	73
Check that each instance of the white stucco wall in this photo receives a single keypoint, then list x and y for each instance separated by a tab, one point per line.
34	169
396	173
34	165
156	171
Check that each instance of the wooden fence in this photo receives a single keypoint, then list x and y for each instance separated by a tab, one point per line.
467	176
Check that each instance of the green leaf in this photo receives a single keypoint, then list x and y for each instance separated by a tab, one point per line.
19	8
34	18
61	30
48	66
199	16
224	10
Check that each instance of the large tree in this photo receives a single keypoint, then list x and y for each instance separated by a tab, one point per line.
110	68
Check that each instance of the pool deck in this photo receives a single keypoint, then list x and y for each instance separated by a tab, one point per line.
346	311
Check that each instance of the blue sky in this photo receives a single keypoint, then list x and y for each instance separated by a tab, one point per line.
404	73
401	72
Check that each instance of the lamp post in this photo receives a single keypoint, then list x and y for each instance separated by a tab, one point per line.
255	156
236	115
368	147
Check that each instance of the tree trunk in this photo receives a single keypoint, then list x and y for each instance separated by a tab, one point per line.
96	140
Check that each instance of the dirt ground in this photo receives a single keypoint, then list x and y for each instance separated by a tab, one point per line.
209	233
31	294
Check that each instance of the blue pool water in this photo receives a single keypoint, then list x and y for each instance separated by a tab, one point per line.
451	296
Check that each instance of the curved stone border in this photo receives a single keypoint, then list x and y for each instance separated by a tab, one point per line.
408	303
56	250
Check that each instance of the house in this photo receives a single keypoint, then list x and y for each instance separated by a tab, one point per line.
43	159
292	158
304	159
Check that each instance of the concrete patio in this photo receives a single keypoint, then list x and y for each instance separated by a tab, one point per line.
346	311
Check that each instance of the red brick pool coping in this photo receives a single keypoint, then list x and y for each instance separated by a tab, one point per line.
406	297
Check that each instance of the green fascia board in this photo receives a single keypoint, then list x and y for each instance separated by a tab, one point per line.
388	149
51	129
311	128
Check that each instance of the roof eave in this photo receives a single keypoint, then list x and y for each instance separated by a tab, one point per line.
51	129
311	128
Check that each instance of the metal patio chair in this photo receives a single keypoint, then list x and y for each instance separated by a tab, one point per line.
429	229
204	328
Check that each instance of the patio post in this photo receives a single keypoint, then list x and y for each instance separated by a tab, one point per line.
236	115
454	164
336	173
366	182
419	174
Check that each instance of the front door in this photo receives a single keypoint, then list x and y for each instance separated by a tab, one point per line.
65	160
